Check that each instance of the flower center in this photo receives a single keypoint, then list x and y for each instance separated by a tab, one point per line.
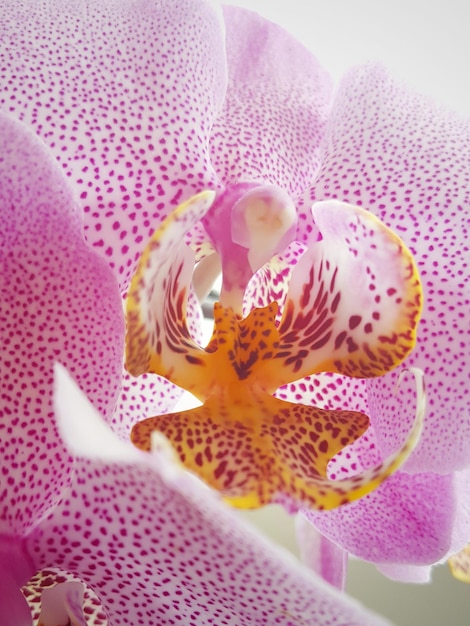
352	307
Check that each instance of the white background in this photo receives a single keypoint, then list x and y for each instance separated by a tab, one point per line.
426	44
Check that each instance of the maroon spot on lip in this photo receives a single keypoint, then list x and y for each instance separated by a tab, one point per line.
354	321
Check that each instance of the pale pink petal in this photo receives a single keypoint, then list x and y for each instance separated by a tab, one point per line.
275	110
406	573
413	520
165	558
327	391
409	520
124	93
60	302
444	444
408	161
161	550
141	397
320	554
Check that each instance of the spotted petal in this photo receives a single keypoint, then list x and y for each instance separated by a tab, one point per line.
59	302
354	299
125	94
175	554
253	448
406	159
406	525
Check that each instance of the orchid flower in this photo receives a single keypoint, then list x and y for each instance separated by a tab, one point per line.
251	446
139	132
406	160
277	71
92	530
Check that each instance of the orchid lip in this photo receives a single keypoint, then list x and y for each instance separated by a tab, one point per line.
337	315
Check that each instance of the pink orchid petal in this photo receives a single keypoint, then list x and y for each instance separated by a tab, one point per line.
327	391
59	302
407	161
410	520
167	558
140	397
444	445
321	555
124	93
406	573
275	110
409	523
155	552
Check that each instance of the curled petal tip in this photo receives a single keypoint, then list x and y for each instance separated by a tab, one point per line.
356	487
